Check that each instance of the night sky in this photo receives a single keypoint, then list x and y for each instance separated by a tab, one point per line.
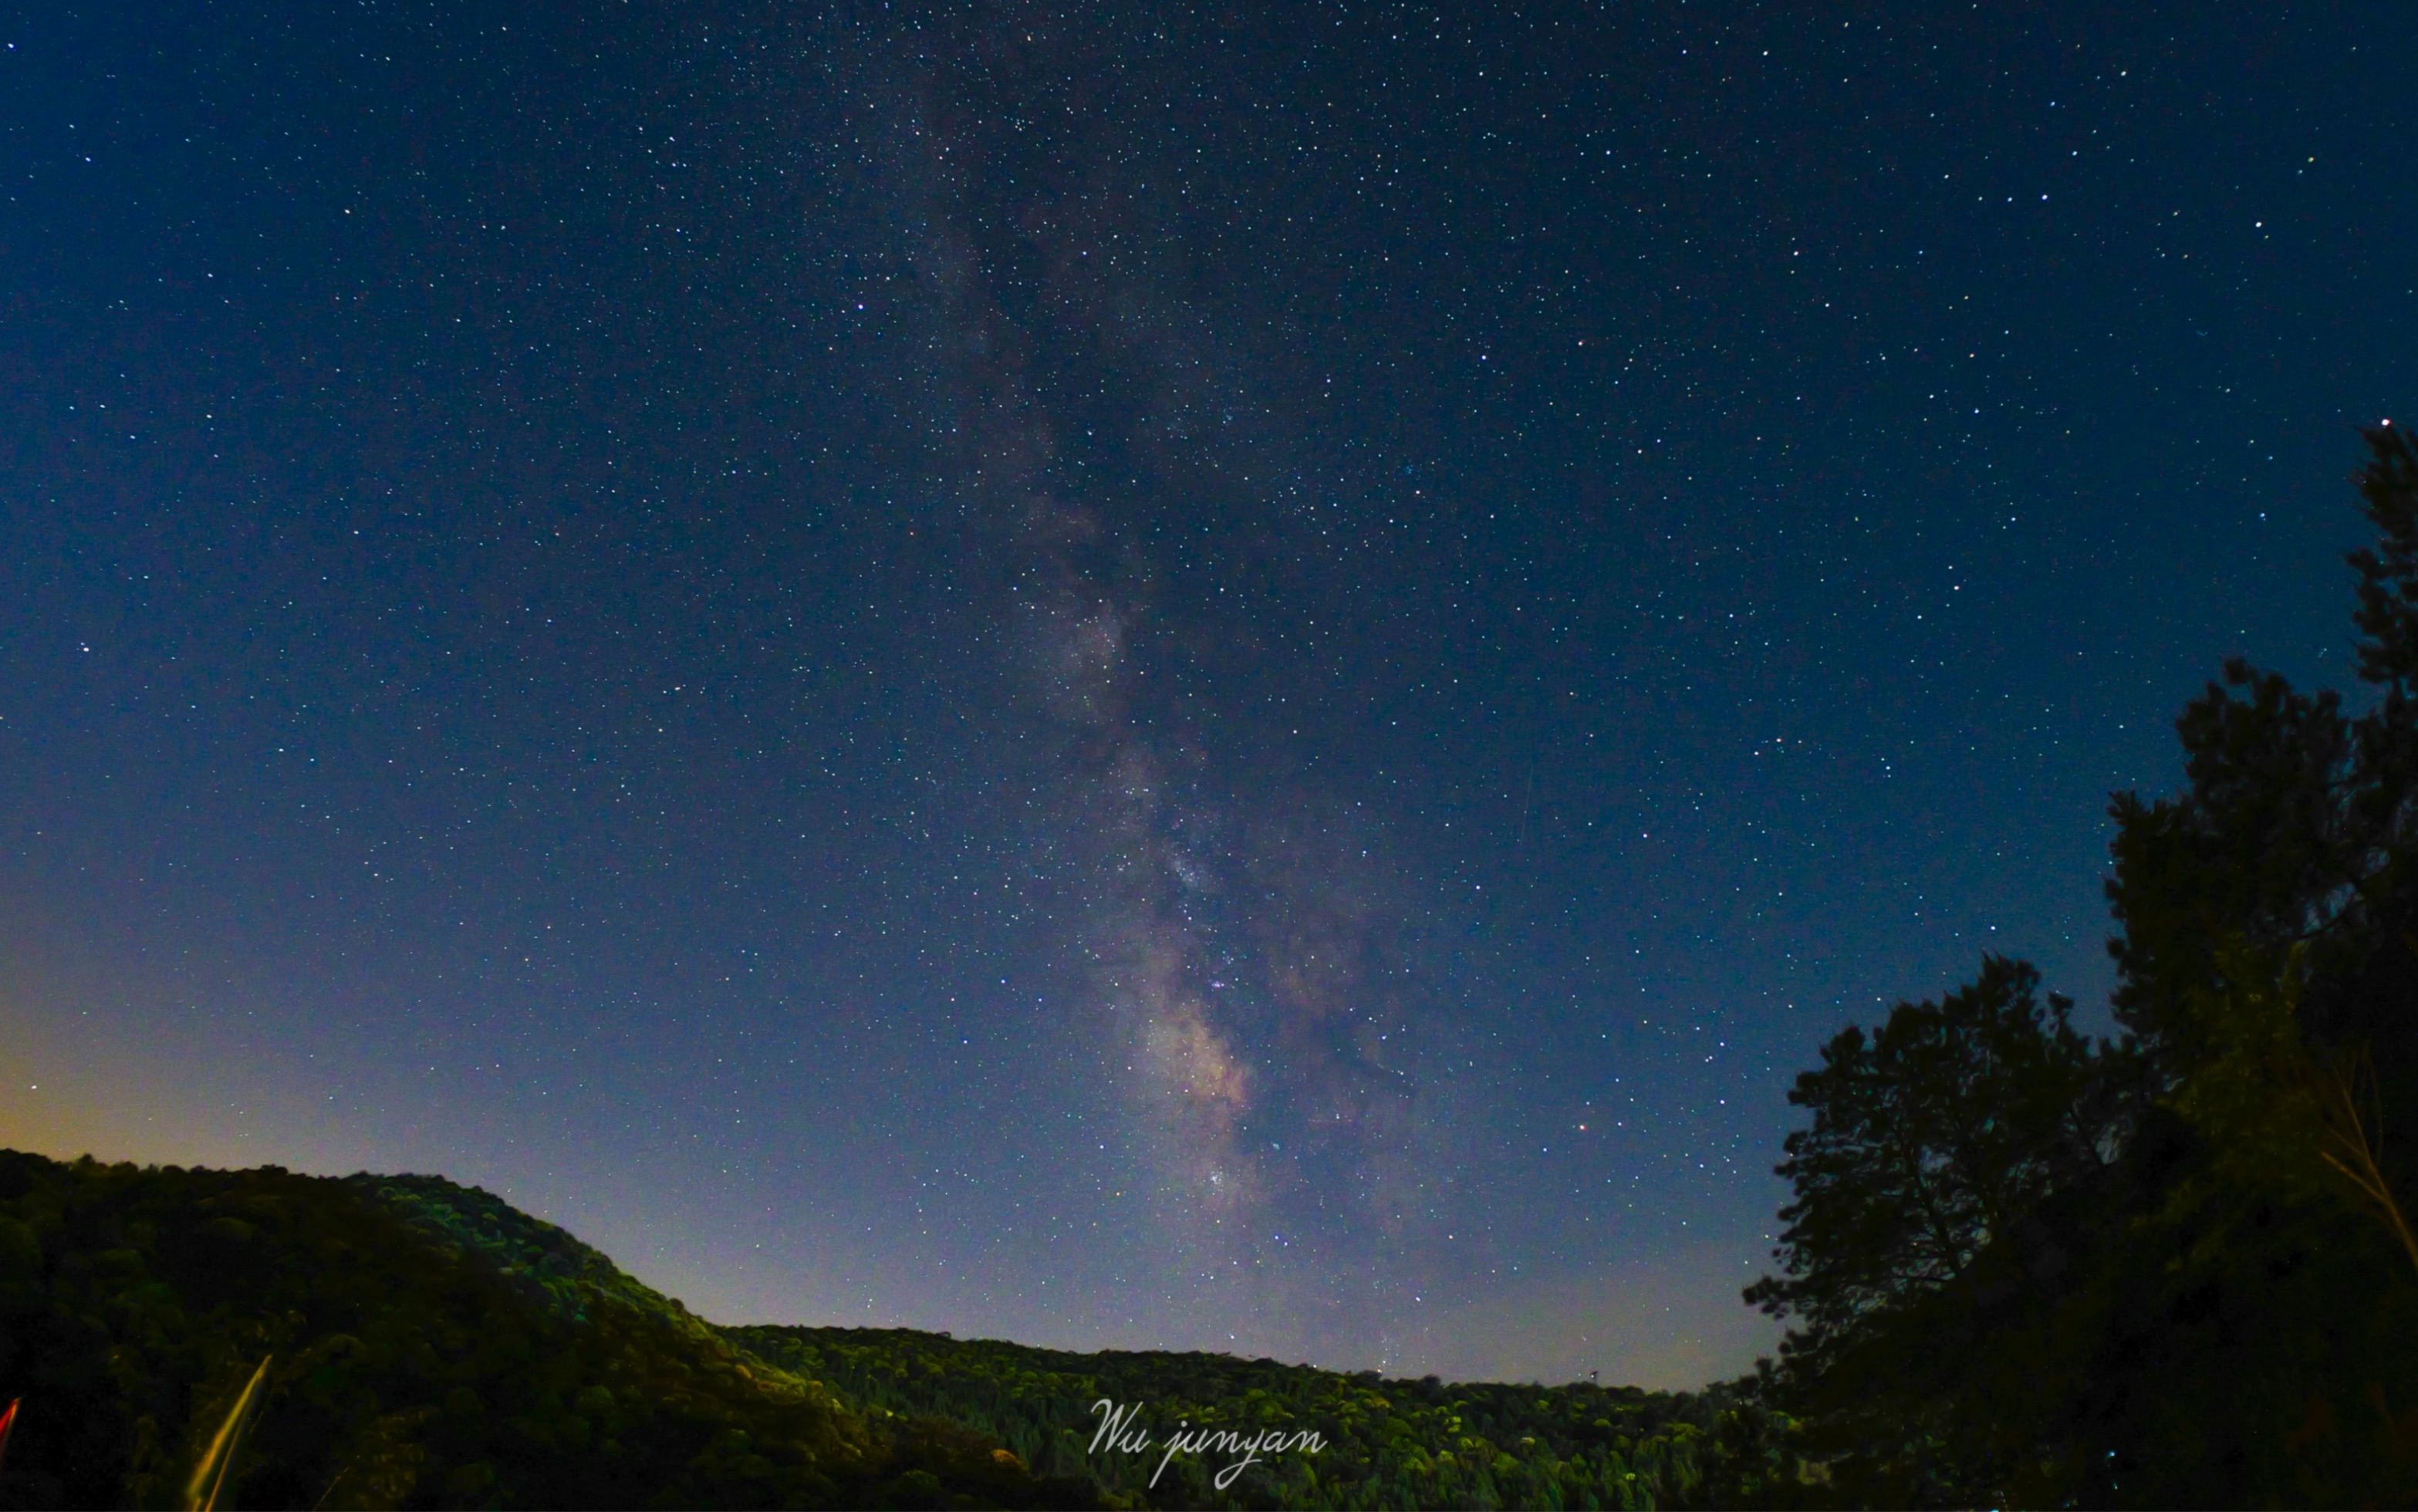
1234	677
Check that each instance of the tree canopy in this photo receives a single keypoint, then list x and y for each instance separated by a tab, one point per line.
2176	1268
1930	1138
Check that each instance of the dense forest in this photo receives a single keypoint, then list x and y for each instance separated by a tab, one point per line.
1381	1443
2021	1266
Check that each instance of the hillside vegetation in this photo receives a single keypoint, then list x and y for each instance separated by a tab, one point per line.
1385	1442
430	1346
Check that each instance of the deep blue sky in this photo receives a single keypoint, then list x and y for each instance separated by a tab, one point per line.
1245	678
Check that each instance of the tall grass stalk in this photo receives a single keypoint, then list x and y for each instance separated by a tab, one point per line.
2355	1140
211	1470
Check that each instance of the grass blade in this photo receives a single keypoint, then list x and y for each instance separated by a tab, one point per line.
212	1469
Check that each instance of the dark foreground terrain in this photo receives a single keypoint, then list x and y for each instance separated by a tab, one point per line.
430	1346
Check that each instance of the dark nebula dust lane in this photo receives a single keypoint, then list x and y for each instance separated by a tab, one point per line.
1242	678
1239	967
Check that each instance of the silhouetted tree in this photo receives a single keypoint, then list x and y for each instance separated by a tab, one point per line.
2178	1270
1930	1138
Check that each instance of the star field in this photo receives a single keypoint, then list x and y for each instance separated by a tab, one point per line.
1125	674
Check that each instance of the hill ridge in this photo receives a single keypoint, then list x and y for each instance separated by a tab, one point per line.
431	1345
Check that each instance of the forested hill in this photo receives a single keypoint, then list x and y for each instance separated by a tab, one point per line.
428	1344
1385	1443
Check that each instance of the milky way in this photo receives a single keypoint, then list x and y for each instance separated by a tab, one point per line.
1297	1102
